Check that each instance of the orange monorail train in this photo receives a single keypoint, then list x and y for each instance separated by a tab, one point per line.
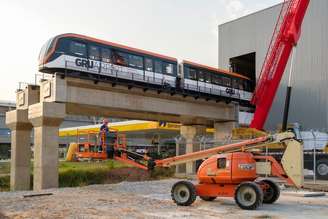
99	60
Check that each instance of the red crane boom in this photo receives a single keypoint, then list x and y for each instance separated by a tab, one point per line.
285	36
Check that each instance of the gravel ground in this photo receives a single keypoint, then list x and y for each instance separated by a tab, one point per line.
149	199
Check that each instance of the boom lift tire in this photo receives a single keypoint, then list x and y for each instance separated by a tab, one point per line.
207	198
321	169
271	191
249	195
183	193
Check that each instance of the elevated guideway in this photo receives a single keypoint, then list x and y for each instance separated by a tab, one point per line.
44	107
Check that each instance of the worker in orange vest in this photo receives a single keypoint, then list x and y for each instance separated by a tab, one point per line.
107	138
103	133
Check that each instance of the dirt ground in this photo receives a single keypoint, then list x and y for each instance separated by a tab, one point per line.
148	199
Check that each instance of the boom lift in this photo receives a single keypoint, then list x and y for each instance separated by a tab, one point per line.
233	170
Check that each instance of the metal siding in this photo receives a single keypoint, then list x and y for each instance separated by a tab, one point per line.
309	103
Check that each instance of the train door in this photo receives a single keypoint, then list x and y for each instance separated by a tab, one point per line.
93	58
158	74
149	70
169	76
190	78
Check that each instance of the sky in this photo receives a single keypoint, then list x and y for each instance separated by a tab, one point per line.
185	29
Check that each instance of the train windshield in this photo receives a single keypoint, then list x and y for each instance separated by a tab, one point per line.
45	49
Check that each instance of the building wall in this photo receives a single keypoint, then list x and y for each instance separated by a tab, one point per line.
4	131
252	33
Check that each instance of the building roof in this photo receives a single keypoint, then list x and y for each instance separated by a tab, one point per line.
250	14
7	103
125	126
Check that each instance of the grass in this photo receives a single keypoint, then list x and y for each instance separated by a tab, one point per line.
4	183
74	174
4	168
71	174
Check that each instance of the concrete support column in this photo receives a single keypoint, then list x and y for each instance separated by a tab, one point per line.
192	144
46	118
223	130
17	121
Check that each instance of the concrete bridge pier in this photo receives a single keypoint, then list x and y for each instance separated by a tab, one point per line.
20	126
46	118
192	144
223	130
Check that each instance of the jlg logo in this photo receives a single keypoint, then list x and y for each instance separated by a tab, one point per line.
84	63
246	166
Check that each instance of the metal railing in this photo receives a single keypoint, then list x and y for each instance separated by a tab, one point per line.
120	73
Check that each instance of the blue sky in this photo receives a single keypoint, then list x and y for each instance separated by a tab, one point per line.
186	29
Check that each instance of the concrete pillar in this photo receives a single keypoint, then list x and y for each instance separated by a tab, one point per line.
20	126
192	144
46	118
223	130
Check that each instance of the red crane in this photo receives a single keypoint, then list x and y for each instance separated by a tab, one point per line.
285	36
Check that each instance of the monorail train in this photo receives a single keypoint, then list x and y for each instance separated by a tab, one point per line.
74	53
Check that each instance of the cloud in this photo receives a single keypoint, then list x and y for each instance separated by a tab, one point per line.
235	9
232	9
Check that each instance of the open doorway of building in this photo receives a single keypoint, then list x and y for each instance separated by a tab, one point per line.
245	65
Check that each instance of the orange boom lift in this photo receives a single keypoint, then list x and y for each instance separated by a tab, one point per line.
233	170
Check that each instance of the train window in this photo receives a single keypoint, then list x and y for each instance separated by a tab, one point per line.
247	86
135	61
226	81
168	68
106	55
78	48
208	77
120	58
192	74
235	83
241	85
158	66
216	79
149	64
94	52
201	75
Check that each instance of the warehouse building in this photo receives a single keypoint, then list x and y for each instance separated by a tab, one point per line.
243	45
4	131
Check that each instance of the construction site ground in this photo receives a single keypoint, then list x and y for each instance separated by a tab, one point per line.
146	199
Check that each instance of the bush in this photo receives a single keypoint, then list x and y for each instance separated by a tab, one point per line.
73	178
161	172
74	174
4	183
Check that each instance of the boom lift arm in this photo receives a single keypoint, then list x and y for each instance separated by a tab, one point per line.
291	168
285	36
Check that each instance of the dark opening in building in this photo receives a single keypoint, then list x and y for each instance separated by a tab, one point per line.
245	65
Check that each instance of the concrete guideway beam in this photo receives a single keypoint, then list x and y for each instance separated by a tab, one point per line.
84	97
28	96
17	121
46	118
